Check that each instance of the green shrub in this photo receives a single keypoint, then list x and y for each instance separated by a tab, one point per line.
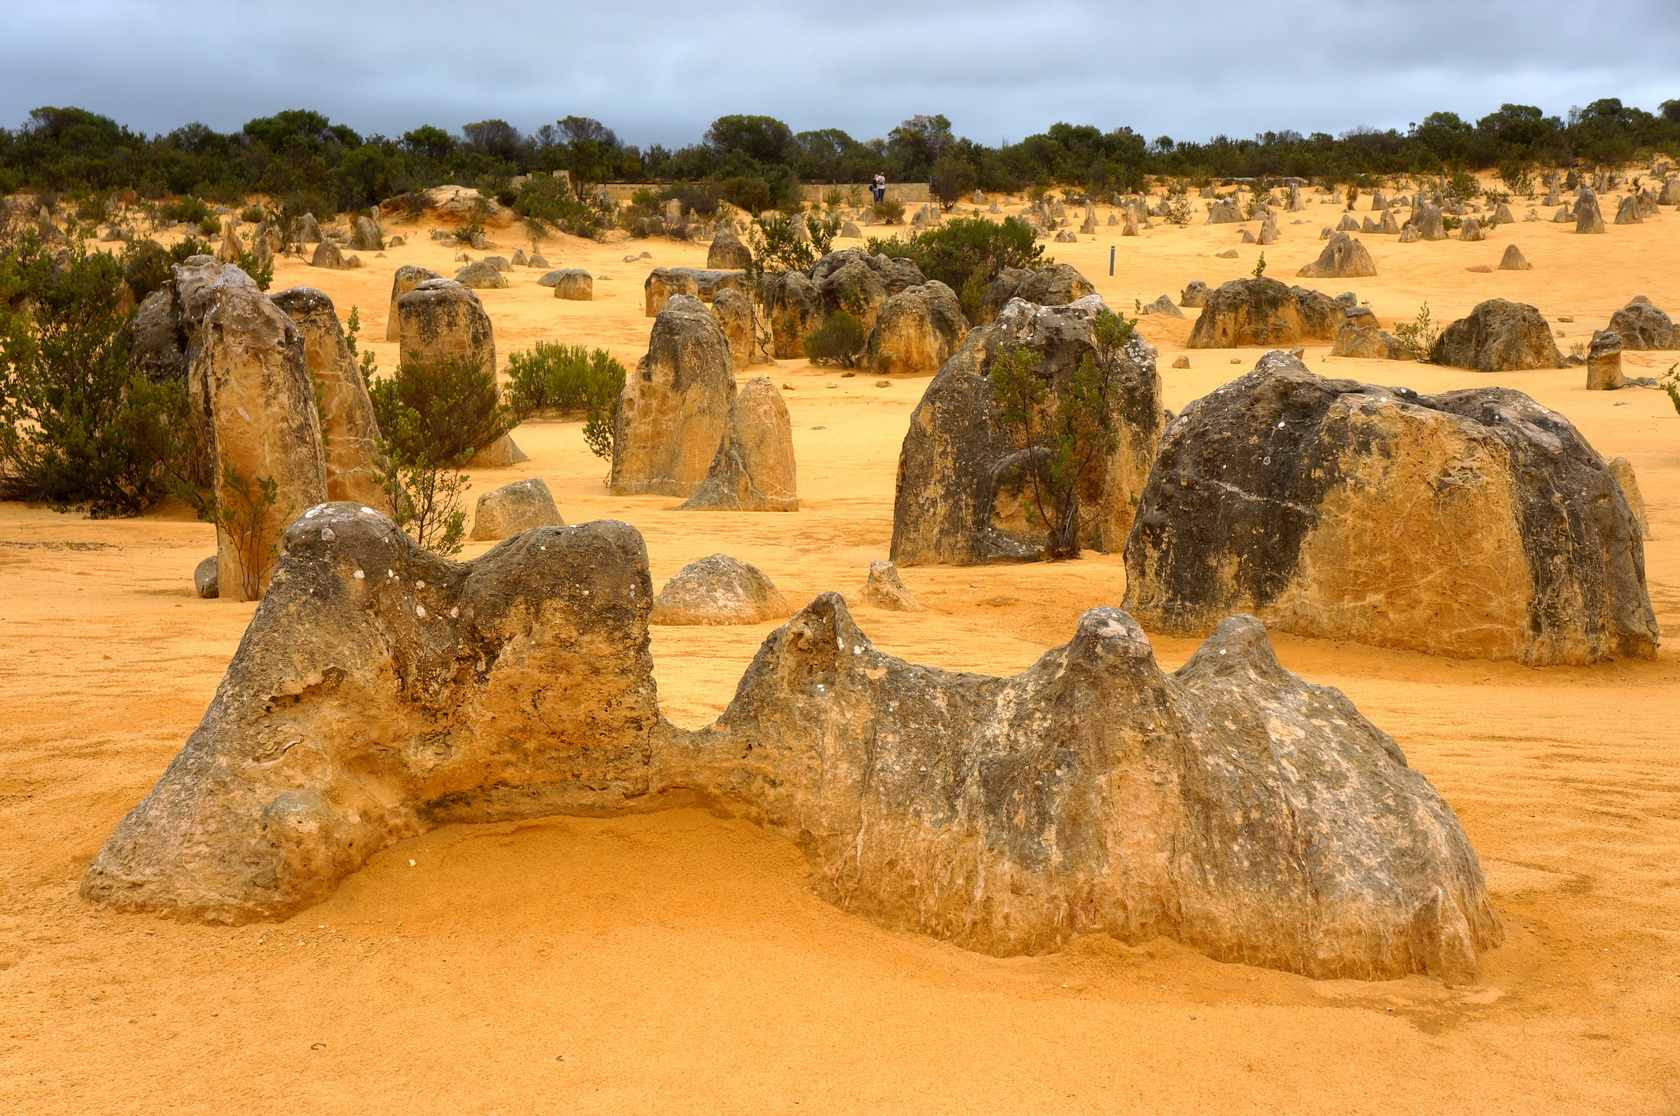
751	194
78	430
838	340
889	211
967	253
563	380
549	202
252	214
457	407
210	226
187	211
146	263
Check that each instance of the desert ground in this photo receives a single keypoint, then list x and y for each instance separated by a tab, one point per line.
678	962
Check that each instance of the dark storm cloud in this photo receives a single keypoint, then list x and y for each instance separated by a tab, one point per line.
659	71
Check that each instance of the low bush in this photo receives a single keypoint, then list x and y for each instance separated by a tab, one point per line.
966	253
889	211
78	429
837	341
567	381
146	263
553	203
187	211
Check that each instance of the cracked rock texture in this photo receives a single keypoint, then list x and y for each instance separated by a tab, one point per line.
674	410
1285	494
381	691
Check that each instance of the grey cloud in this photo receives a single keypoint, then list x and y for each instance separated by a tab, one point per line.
659	71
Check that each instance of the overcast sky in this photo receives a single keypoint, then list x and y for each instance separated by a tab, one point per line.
659	72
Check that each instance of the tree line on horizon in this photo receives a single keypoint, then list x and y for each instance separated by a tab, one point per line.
757	162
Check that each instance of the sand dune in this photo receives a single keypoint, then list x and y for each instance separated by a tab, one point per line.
681	963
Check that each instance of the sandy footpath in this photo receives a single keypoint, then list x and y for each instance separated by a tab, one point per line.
681	963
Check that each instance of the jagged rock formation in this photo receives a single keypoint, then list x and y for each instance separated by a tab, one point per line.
1498	336
726	252
247	372
858	283
664	283
382	691
1343	258
1282	494
884	589
675	407
1627	213
963	475
1264	312
1471	230
1056	285
328	256
754	467
513	508
916	331
365	236
349	432
1642	326
718	590
1588	219
1429	223
1162	305
408	277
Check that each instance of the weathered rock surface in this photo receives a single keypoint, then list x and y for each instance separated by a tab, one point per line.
1471	230
365	236
408	277
248	373
1604	361
963	476
572	283
754	468
726	252
718	590
503	453
1498	336
481	275
1429	223
328	256
440	319
1367	342
205	581
1056	285
1622	470
1283	493
1627	212
1514	260
858	283
663	283
1162	305
675	407
1343	258
1264	820
1588	219
916	331
1642	326
159	348
884	589
1264	312
1195	295
349	432
794	306
734	311
513	508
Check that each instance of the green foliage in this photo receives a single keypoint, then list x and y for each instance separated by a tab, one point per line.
1260	266
546	202
433	416
1461	184
776	245
78	430
252	214
953	177
1418	336
966	253
569	380
241	511
1671	379
837	341
456	407
1066	431
889	211
186	211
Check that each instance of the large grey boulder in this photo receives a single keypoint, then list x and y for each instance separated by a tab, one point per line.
916	331
513	508
1265	312
718	590
1644	327
963	475
382	691
674	410
1498	336
1282	493
754	466
205	581
726	252
481	275
349	431
1055	285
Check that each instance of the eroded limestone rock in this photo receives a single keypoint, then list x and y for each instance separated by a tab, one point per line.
440	319
663	283
718	590
1056	285
674	409
916	331
884	589
408	277
349	432
754	467
513	508
1498	336
1282	493
1264	312
1342	258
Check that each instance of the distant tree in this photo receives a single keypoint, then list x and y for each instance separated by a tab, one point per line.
495	138
762	139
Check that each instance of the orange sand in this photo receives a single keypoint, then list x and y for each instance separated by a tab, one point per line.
681	963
